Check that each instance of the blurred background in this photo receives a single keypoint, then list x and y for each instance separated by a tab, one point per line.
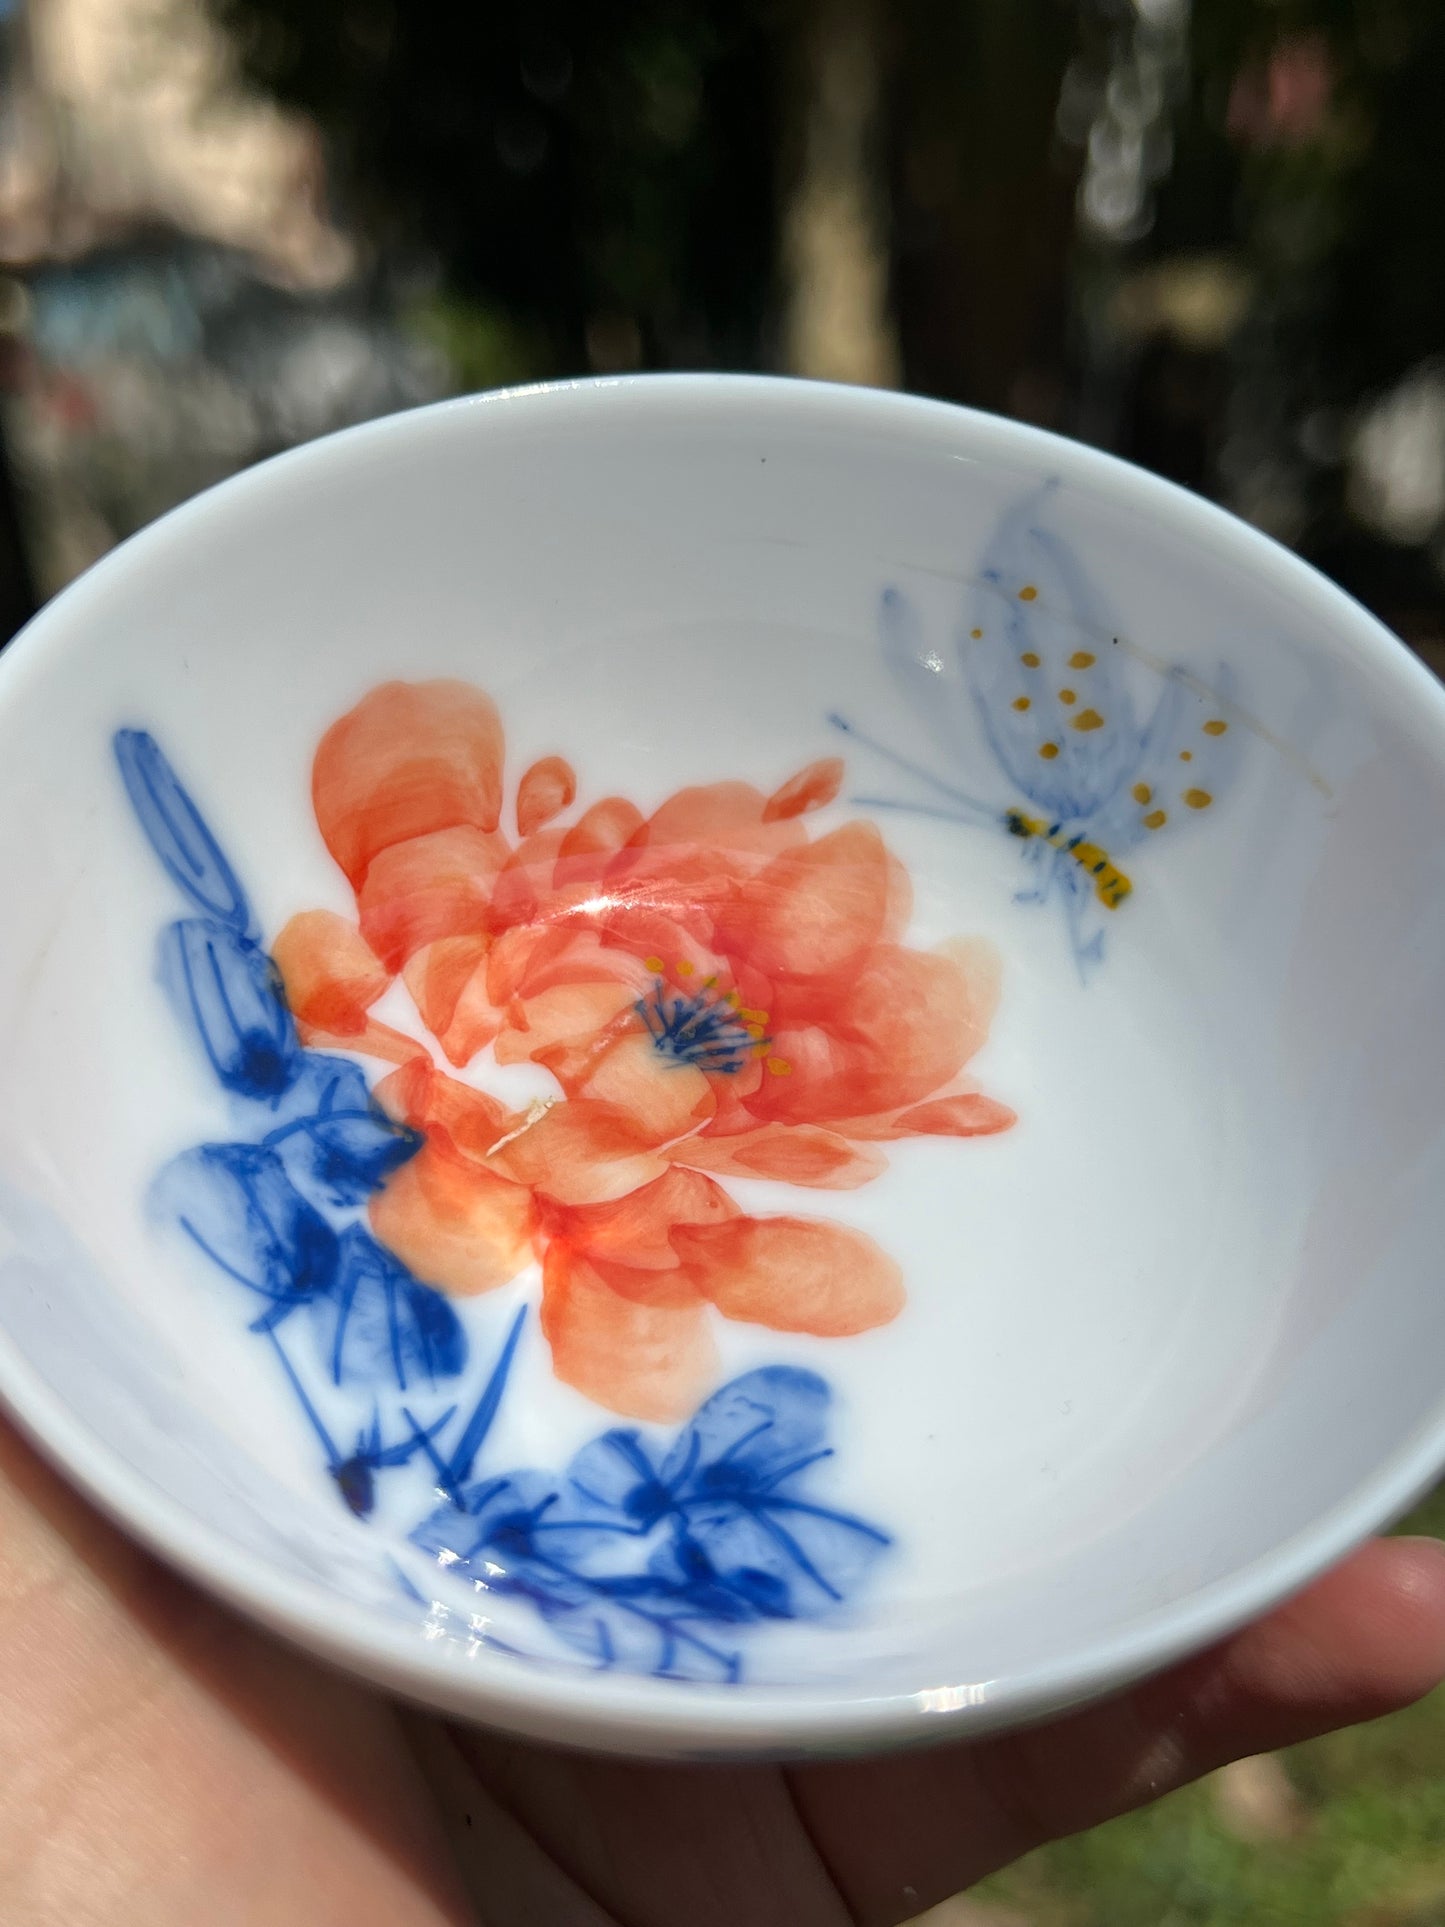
1211	239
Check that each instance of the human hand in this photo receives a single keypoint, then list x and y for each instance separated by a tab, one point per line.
161	1761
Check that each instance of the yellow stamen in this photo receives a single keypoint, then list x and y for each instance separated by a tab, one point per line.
1048	751
1029	659
1081	659
1142	793
684	968
1021	702
1067	696
1155	820
1215	728
1198	799
654	964
780	1067
1027	593
1088	719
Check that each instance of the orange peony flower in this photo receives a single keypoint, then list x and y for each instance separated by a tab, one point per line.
712	992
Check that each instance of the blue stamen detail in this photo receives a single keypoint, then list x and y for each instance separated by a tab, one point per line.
702	1030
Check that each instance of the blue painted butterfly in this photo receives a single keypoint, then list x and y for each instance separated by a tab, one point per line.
1035	667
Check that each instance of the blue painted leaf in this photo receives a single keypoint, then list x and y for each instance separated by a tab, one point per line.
379	1325
231	991
617	1478
641	1638
763	1427
237	1203
177	832
341	1157
496	1521
322	1085
787	1561
355	1476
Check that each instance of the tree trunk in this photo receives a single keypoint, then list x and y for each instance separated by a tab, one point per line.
837	318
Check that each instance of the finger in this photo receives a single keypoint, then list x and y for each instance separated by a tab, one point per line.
899	1835
643	1844
159	1761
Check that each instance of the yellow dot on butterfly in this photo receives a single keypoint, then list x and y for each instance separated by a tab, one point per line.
1186	755
1067	696
779	1066
1155	820
1028	592
1087	719
1048	751
975	633
654	964
1142	793
1081	659
1021	702
685	969
1216	728
1029	659
1198	799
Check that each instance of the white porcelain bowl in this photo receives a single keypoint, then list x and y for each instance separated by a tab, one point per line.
709	1066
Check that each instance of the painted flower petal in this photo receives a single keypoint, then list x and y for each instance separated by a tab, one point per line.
648	1361
331	973
804	1154
373	1040
546	789
448	984
636	1230
579	1152
525	891
813	911
433	886
380	1325
599	831
719	816
409	759
662	1098
564	1018
426	1098
895	1031
539	957
457	1226
965	1114
810	789
793	1274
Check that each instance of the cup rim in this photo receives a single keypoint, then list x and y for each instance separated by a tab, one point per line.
620	1712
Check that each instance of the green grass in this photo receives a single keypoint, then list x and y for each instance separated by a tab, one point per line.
1371	1855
